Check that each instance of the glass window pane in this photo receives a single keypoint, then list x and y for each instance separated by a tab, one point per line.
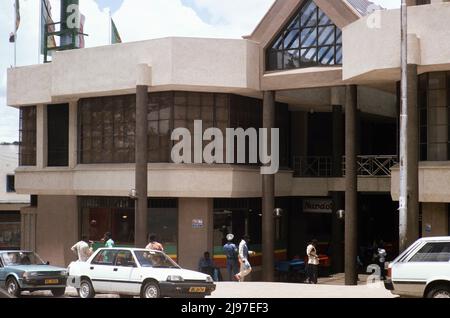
291	59
326	35
309	14
308	37
338	36
323	19
291	40
278	44
275	60
433	252
308	57
326	55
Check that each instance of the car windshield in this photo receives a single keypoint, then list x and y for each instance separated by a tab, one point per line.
21	258
155	259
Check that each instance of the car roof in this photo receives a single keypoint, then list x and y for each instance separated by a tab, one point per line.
435	238
127	249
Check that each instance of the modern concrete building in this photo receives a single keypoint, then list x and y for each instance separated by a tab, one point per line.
325	72
11	203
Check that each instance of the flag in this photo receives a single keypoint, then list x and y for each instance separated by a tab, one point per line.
12	37
115	36
46	19
81	34
17	7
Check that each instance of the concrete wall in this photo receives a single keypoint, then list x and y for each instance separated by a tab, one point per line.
9	160
435	219
177	64
57	228
193	242
434	182
372	44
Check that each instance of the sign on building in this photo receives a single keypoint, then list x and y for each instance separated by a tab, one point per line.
318	206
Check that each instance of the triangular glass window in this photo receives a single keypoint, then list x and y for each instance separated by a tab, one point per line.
309	39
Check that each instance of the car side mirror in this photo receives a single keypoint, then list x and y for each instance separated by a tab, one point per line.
48	263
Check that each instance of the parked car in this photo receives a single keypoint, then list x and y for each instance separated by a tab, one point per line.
423	270
25	271
132	272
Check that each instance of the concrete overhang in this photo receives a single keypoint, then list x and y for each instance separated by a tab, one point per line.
372	44
195	64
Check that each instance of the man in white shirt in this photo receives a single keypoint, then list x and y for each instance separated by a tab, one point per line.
82	249
313	262
244	254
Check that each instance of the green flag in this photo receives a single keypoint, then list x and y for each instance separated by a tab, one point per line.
115	36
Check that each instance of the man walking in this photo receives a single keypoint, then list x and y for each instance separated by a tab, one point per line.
83	249
313	262
244	254
154	244
231	252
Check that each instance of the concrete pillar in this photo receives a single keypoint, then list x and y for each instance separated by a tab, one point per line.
435	219
57	228
141	149
41	136
351	187
413	156
337	233
268	200
195	230
73	134
28	228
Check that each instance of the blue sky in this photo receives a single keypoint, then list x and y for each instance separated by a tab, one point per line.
135	20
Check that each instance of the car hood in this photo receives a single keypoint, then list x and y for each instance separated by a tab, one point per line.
185	273
35	268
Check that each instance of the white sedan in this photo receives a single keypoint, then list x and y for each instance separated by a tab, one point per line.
423	270
132	272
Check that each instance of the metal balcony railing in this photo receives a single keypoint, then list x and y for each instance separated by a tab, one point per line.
322	167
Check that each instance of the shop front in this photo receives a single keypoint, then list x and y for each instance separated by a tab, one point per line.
10	230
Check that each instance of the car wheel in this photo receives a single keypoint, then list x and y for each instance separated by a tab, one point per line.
58	292
439	292
86	290
12	287
151	290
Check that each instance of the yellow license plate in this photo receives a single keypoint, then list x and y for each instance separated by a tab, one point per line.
51	282
197	289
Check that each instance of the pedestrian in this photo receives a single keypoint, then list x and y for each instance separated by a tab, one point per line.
83	249
381	252
107	238
312	270
244	254
206	265
231	252
154	245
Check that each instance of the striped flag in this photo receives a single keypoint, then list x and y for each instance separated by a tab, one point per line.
13	35
115	36
46	19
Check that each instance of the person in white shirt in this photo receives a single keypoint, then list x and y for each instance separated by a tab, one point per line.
312	270
244	254
82	249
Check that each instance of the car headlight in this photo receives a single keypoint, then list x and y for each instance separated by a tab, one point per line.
64	273
175	278
209	279
29	275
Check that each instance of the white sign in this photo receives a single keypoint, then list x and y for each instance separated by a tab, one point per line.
318	206
197	223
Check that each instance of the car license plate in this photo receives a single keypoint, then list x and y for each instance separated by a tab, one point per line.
197	289
51	282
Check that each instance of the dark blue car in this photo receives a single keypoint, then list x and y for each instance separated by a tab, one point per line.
25	271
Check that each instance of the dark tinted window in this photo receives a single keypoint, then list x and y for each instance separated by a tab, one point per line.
10	187
58	135
105	257
433	252
27	147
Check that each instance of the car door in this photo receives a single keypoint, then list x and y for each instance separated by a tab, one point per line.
122	271
100	271
2	273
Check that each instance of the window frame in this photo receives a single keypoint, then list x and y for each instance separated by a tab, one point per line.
132	256
93	262
419	248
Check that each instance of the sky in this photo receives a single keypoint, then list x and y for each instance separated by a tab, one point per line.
136	20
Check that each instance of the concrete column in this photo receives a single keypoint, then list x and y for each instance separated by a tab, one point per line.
28	228
351	187
41	136
141	174
194	240
57	228
143	81
413	156
268	200
435	219
73	134
337	232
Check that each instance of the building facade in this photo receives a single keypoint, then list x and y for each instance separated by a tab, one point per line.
315	67
11	203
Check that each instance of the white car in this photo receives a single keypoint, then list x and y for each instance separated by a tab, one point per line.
132	272
423	270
